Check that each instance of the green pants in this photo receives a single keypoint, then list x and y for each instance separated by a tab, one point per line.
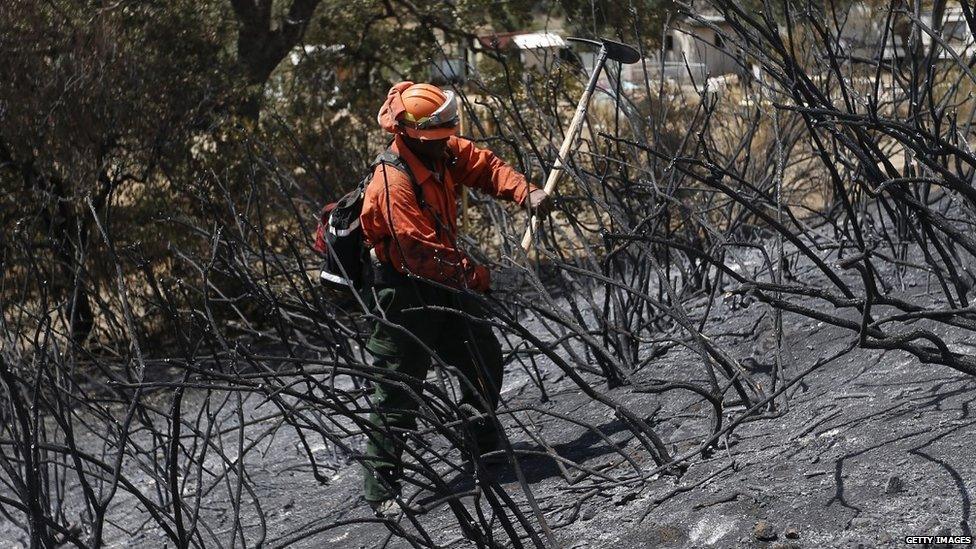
471	347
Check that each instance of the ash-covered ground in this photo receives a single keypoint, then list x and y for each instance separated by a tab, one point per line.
872	448
869	448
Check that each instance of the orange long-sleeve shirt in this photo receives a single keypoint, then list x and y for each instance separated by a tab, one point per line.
423	241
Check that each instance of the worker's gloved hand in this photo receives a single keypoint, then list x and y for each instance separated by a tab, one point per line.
539	202
478	279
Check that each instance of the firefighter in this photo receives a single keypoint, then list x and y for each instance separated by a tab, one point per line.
410	222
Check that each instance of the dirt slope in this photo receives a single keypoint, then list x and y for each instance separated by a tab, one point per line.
873	447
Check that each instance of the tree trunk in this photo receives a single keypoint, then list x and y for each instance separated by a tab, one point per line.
262	42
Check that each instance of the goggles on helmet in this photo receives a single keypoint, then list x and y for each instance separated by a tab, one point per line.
446	116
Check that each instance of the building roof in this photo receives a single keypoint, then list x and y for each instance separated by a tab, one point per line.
522	40
712	17
538	40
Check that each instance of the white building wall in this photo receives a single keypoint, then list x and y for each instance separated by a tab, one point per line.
702	45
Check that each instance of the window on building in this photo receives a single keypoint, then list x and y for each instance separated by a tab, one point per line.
668	42
719	43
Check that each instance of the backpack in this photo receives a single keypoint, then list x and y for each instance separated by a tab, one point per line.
339	236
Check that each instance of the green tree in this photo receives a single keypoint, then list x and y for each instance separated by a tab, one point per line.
96	100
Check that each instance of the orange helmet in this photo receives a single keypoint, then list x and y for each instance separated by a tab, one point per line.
429	112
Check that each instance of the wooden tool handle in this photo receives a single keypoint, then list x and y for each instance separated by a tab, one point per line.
557	167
